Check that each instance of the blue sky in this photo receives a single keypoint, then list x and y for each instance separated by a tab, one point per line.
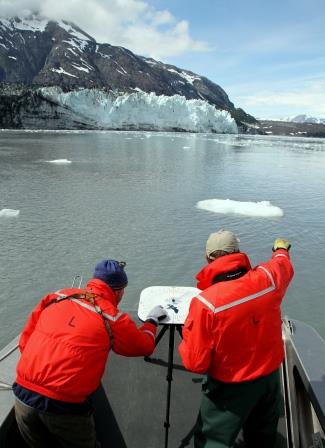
267	55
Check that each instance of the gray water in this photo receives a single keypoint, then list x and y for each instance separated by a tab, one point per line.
132	196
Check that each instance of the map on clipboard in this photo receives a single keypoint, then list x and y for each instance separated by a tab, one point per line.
175	300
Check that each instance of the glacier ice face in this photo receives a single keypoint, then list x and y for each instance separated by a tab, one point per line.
140	110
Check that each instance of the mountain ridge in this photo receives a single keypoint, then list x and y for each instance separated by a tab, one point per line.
37	52
303	118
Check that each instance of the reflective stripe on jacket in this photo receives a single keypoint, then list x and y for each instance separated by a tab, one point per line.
64	345
233	329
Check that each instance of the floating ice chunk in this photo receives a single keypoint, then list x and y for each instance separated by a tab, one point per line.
8	213
226	206
60	161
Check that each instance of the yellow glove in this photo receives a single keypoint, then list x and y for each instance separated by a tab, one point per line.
280	243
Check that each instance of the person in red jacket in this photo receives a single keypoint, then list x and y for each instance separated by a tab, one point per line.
64	348
233	334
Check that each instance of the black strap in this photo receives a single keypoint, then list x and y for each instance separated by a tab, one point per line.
89	298
232	275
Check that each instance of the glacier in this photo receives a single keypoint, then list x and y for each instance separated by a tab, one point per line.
262	209
141	111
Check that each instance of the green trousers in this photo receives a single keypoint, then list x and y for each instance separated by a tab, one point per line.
226	408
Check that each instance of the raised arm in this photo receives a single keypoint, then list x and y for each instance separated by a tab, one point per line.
280	264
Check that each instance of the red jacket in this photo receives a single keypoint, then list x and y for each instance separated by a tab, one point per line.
233	329
64	346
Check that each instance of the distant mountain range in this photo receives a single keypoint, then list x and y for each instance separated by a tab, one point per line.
36	53
303	118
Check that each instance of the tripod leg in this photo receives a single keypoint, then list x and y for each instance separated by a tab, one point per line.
169	379
161	334
158	338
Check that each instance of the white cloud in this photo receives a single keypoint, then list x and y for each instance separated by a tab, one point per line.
133	24
308	99
281	98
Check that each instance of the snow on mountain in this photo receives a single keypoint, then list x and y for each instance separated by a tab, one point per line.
36	53
32	24
141	110
307	119
302	118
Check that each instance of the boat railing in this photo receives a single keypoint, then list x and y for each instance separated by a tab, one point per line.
304	385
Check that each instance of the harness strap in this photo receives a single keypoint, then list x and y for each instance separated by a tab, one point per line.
89	297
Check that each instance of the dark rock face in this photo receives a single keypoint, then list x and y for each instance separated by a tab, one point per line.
38	53
25	108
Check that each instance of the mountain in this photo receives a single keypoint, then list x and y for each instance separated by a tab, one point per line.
41	61
291	128
303	118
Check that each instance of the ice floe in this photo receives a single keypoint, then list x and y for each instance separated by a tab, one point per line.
8	213
227	206
60	161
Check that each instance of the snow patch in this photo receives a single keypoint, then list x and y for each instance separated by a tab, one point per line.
73	32
77	67
60	161
9	213
189	78
25	24
140	110
124	72
86	64
77	43
263	209
61	71
12	57
107	56
73	52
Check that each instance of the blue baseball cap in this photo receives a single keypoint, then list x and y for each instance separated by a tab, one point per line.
112	273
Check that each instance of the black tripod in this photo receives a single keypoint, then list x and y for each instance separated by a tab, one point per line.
169	377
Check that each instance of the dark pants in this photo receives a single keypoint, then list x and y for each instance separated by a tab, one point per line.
44	429
228	407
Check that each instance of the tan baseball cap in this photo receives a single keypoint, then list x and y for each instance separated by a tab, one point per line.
222	240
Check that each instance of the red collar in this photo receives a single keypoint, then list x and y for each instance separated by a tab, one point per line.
222	265
102	290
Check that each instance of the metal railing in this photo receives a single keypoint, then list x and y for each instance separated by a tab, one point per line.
304	385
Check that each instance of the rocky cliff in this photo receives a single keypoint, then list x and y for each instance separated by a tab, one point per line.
37	53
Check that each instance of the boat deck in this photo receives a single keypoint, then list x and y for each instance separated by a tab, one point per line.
130	406
132	412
